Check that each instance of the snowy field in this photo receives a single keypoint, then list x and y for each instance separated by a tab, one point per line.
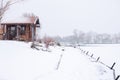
19	62
108	53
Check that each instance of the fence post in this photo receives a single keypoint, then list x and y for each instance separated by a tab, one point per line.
113	65
87	53
59	61
80	48
117	77
98	59
91	56
83	51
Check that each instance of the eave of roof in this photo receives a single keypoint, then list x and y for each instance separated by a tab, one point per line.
15	23
19	20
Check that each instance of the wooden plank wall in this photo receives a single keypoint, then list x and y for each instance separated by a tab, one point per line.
1	32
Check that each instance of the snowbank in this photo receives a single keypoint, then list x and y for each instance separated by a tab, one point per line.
19	62
108	53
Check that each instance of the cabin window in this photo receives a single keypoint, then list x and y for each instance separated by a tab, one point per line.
12	31
22	30
12	28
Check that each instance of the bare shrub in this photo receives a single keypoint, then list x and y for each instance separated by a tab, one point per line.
48	41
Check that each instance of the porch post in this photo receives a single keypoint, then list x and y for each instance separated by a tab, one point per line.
5	35
32	31
18	26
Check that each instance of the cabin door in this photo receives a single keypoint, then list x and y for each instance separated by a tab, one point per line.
12	32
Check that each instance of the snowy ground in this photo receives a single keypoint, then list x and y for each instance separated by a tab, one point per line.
19	62
108	53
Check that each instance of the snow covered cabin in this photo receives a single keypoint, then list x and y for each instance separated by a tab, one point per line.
23	28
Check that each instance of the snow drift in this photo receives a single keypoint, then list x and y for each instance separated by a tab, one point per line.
19	62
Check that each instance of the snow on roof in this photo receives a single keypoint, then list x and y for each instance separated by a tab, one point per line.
19	20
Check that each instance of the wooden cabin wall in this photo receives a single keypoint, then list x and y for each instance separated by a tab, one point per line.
26	37
30	34
27	32
1	33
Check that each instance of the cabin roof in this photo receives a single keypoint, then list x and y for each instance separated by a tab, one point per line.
20	20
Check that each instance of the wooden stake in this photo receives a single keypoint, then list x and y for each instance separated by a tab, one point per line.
117	77
59	62
83	51
87	53
98	58
113	65
91	55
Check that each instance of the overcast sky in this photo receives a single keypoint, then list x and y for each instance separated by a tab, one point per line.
61	17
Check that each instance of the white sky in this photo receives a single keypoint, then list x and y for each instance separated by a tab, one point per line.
61	17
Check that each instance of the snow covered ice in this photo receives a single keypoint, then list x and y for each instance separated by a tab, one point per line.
19	62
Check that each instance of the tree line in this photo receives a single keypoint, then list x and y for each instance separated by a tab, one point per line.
80	37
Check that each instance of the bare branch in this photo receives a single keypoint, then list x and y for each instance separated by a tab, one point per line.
31	16
11	3
5	5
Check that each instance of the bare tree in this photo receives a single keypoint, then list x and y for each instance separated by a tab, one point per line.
31	16
4	6
48	40
76	36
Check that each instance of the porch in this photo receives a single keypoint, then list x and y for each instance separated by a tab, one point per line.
22	32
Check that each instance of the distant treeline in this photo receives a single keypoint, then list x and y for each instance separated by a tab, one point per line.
80	37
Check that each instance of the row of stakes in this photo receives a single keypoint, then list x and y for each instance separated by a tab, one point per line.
115	78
